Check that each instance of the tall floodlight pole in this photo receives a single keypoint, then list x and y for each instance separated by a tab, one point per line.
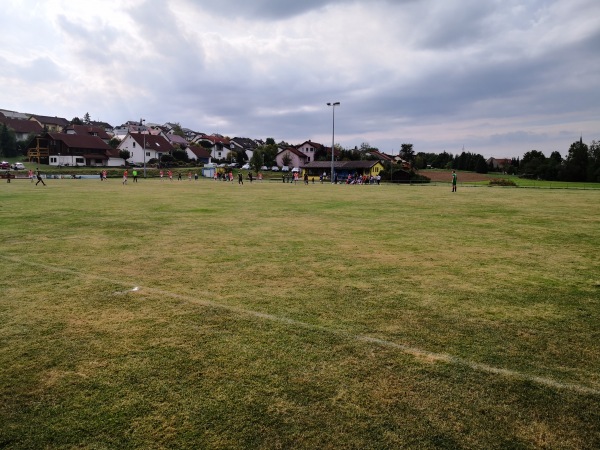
333	105
141	123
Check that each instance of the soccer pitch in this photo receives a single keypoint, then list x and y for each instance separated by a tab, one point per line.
202	314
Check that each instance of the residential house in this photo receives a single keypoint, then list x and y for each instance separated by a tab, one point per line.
144	147
245	144
23	128
499	163
379	156
217	145
199	154
177	141
90	130
309	149
105	126
51	124
62	149
14	114
296	157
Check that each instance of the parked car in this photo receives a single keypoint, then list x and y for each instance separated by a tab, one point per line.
275	169
263	168
296	169
285	169
18	166
4	165
246	167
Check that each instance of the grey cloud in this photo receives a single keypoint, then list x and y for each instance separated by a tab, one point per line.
275	9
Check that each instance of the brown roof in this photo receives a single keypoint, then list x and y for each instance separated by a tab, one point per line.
82	141
152	142
199	152
90	130
51	120
21	126
294	151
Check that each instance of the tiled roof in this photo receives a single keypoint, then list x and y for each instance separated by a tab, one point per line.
83	141
51	120
199	152
22	126
89	130
294	151
152	142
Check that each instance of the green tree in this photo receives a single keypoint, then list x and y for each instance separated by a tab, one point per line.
286	159
8	141
86	118
480	164
180	154
594	162
531	163
257	160
114	142
177	130
270	141
575	167
125	155
76	121
407	153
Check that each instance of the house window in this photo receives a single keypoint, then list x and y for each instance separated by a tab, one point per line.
134	145
147	153
53	160
79	161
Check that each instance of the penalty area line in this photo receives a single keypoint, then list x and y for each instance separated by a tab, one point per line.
406	349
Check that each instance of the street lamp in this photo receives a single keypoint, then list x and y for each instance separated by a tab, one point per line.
141	123
333	105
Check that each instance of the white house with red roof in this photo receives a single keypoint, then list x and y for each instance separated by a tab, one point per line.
144	147
295	156
309	148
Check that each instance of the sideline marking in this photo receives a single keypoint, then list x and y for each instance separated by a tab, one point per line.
413	351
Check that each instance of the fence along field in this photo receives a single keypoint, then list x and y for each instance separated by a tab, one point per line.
298	316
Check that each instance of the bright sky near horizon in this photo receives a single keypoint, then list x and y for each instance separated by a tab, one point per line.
499	77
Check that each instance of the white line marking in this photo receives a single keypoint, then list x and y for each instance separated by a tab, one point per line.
417	352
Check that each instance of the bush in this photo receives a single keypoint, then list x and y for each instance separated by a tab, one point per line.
502	182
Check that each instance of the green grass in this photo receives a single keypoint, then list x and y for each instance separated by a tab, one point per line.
282	316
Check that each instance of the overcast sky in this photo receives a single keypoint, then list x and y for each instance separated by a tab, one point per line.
499	77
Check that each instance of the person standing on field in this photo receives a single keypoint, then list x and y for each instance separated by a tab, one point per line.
125	177
134	176
453	181
39	178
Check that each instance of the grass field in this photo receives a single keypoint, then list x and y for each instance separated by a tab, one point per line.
212	315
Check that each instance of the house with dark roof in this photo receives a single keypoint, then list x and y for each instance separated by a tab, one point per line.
379	156
309	149
247	145
198	153
69	150
23	128
51	124
296	157
499	163
90	130
144	147
217	145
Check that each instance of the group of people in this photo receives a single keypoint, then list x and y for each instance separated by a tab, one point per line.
37	175
363	179
228	176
